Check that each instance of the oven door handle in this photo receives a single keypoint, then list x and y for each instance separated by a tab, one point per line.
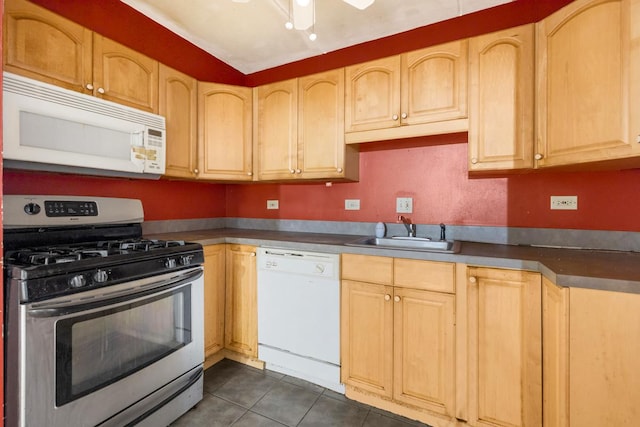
71	307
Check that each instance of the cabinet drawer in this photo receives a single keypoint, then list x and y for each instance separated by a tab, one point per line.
428	275
367	268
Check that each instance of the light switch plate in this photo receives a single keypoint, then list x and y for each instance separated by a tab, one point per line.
404	205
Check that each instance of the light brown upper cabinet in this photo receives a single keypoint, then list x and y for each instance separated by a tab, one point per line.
423	92
44	46
225	132
588	85
300	130
178	104
501	100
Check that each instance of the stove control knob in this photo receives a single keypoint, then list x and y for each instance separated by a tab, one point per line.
100	276
185	259
170	263
77	281
32	208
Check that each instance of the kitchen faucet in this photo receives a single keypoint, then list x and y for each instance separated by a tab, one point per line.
411	228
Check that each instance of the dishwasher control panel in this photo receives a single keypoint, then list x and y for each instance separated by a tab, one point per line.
299	262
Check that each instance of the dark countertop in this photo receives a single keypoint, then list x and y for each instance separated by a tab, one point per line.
594	269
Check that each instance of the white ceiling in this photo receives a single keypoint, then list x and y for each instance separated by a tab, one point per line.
251	36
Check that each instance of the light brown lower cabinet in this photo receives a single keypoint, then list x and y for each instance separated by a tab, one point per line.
241	308
214	290
397	342
504	347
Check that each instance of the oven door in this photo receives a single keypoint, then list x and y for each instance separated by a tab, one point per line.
89	358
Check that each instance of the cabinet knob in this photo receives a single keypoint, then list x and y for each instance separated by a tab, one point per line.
538	156
473	279
292	171
339	170
89	86
474	160
249	173
100	90
387	297
394	117
196	171
298	171
638	139
396	298
404	115
252	254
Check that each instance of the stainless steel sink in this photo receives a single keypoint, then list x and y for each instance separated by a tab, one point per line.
408	243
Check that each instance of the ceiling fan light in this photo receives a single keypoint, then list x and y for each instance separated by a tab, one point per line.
313	37
360	4
303	3
288	25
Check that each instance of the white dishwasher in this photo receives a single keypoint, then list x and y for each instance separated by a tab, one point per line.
299	314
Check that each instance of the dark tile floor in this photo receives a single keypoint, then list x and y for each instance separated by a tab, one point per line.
242	396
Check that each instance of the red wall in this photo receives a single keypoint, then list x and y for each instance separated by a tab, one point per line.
434	175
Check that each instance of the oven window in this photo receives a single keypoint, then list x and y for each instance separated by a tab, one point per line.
97	349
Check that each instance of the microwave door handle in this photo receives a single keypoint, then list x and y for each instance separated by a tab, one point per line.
71	307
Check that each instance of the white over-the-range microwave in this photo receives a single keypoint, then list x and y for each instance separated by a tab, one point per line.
54	129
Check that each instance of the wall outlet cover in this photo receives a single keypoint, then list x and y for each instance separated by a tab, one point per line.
352	204
565	203
273	204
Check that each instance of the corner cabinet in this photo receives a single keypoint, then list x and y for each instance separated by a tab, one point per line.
300	130
241	315
501	100
225	118
504	346
423	92
44	46
214	298
588	86
398	334
178	104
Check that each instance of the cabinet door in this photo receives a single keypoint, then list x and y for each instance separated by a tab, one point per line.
424	349
501	100
372	95
504	348
366	337
178	104
241	316
124	76
555	354
42	45
225	140
588	84
277	131
214	284
434	84
321	147
604	367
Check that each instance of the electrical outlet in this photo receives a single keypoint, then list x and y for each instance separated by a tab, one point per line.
273	204
352	204
404	205
567	203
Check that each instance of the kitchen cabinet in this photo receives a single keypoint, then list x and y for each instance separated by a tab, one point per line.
501	100
178	104
225	132
214	298
44	46
588	90
300	129
504	346
423	92
555	354
604	369
398	331
241	303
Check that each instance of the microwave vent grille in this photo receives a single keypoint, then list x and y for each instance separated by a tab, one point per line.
16	84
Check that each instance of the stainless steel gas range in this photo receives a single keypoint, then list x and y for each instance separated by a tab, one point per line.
102	327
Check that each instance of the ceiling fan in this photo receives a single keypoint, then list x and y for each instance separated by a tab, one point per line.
302	13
